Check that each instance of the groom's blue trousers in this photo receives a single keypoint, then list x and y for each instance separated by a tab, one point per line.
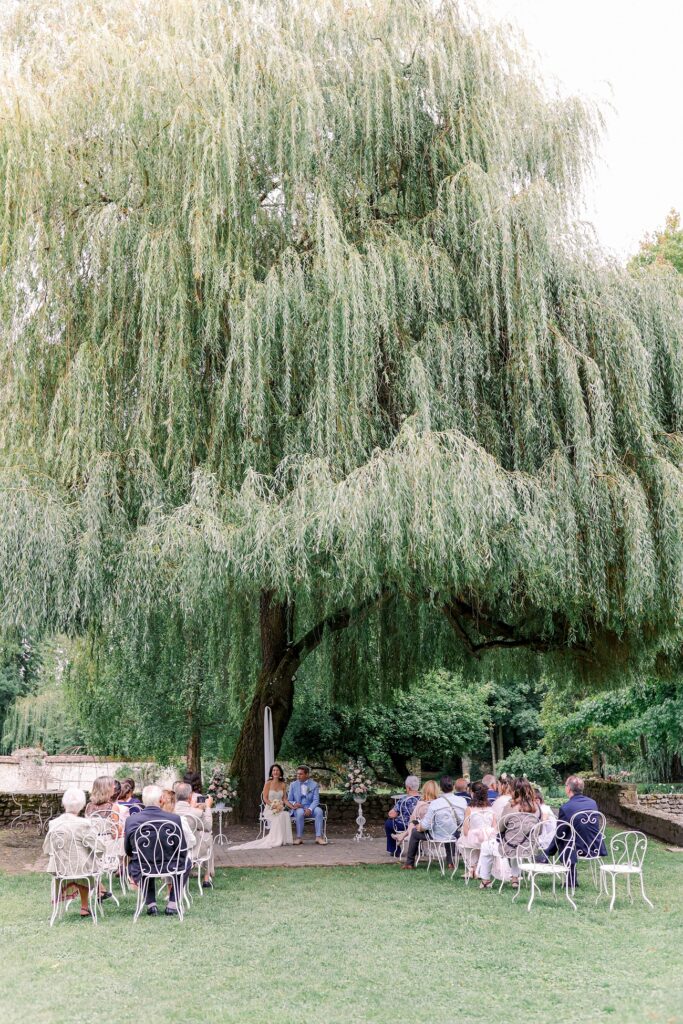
299	818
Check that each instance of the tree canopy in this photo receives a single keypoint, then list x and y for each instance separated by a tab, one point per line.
300	331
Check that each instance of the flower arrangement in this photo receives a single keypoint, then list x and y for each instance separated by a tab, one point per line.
221	788
276	805
359	781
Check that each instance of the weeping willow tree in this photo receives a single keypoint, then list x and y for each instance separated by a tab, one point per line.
300	332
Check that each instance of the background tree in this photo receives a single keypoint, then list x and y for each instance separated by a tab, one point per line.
662	247
299	329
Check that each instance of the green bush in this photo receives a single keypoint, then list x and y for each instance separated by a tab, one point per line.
534	764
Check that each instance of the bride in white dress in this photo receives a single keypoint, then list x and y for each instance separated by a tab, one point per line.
276	813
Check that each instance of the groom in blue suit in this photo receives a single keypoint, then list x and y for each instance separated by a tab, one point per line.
304	802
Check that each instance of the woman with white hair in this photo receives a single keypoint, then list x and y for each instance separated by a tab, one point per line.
398	819
85	847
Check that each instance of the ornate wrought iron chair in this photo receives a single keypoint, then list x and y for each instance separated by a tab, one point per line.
591	821
447	828
550	865
202	853
627	850
162	854
70	865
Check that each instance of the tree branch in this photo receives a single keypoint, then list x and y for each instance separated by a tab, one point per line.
333	623
497	634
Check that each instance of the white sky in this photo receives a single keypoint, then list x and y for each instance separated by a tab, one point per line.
627	52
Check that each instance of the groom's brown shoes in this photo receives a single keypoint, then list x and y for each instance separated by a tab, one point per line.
298	842
320	841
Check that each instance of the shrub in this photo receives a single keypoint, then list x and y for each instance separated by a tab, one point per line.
534	764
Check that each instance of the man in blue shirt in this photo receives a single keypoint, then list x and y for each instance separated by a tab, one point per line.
399	815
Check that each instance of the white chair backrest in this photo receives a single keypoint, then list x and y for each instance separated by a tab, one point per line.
591	824
564	842
105	824
629	848
519	828
67	850
445	824
160	847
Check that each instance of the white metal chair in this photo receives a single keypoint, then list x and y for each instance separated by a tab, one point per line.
593	825
311	821
627	850
555	865
202	852
447	829
112	857
70	865
517	836
162	854
263	823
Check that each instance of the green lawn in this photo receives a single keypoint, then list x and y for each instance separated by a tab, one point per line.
349	945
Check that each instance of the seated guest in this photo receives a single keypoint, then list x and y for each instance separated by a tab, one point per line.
101	800
492	787
442	820
586	829
462	788
429	792
477	827
505	784
398	819
200	820
168	803
127	798
514	829
151	798
194	781
89	843
548	818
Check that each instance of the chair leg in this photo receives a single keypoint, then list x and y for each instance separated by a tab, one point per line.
566	883
642	889
533	891
142	893
55	892
628	889
614	891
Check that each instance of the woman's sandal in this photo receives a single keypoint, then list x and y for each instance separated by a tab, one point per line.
85	913
484	884
514	885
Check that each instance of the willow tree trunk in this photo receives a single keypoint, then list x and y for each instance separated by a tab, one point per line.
194	751
274	689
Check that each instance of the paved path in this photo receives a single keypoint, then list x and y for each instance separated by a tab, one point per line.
340	850
21	853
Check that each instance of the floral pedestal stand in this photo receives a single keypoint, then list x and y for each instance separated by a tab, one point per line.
360	820
221	839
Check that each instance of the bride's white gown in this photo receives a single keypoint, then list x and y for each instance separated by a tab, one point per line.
279	832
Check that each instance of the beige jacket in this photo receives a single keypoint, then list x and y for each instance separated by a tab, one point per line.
74	846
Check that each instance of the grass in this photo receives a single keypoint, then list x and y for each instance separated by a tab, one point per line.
349	946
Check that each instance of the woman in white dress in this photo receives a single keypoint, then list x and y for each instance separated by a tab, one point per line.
275	811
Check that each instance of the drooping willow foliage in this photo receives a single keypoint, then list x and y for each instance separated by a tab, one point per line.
294	298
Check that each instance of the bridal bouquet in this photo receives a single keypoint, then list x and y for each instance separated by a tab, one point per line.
359	781
221	788
276	806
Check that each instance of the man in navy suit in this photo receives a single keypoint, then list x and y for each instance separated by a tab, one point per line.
491	784
589	842
162	854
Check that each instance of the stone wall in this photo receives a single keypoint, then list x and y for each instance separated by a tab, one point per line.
48	803
55	774
342	811
657	814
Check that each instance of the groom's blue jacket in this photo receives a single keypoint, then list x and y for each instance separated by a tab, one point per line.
310	799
